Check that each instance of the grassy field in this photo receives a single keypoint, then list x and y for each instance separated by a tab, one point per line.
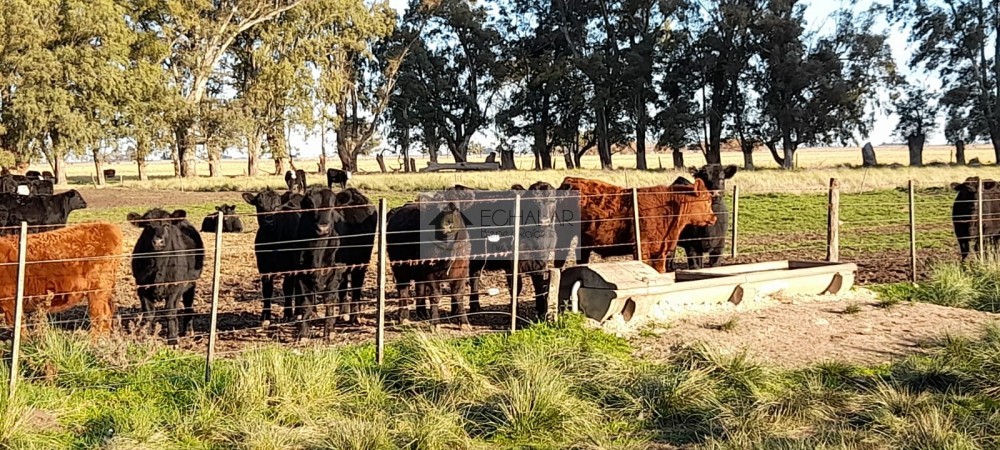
553	386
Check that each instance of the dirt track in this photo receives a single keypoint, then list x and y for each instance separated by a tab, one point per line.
778	334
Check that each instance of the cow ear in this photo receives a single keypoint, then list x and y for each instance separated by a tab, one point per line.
179	214
729	171
989	184
517	187
342	198
681	181
249	198
693	170
134	219
956	186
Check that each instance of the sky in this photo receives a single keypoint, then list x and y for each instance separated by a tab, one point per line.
819	16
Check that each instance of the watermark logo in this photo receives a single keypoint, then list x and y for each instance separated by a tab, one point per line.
483	224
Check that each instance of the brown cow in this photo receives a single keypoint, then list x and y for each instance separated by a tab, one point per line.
72	263
607	219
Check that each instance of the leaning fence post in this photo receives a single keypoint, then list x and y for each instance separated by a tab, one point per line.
833	223
15	353
913	235
736	218
216	279
380	306
635	218
979	219
515	249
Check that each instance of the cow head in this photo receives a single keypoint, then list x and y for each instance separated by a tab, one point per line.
318	208
449	223
354	206
266	203
159	226
74	200
971	185
714	176
226	210
697	204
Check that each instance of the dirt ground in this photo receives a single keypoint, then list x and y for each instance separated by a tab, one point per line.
789	334
802	331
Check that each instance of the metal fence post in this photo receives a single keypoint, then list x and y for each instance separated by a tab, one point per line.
979	219
216	280
635	218
515	250
833	223
382	267
913	235
15	353
736	219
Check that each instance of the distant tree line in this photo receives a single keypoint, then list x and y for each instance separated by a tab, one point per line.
191	78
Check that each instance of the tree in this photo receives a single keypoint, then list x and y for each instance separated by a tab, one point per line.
678	119
199	35
467	56
818	91
917	113
960	40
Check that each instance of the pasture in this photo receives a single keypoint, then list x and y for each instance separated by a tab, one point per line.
558	385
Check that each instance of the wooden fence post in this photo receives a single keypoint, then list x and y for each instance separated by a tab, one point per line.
635	218
515	250
913	235
216	280
979	219
833	223
736	219
15	352
382	267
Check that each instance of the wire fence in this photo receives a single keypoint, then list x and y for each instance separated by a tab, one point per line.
891	236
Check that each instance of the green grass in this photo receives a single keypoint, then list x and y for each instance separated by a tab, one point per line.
852	309
552	386
974	285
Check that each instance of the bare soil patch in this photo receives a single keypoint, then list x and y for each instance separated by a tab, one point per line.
801	332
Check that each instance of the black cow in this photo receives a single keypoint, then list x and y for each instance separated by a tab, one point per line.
166	263
46	175
296	181
336	176
278	222
52	210
231	223
357	238
109	174
699	242
431	251
964	214
33	175
22	185
317	270
492	240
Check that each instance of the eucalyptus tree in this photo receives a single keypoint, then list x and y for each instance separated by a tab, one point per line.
917	110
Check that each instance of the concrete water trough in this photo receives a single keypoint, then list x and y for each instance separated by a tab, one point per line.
634	290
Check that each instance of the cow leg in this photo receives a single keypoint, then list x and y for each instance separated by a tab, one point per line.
357	283
101	310
422	289
434	291
173	301
541	284
290	288
715	257
584	256
457	292
304	311
267	287
188	299
146	305
474	306
404	306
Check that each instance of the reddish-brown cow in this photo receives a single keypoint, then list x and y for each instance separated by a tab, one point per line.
607	219
65	266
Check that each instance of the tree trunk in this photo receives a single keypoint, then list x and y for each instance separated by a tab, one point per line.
640	131
404	148
995	139
748	159
141	166
713	154
59	169
568	157
214	162
915	144
185	165
253	152
789	159
507	159
678	158
322	146
603	140
380	158
773	148
279	149
98	166
540	145
345	151
960	152
868	155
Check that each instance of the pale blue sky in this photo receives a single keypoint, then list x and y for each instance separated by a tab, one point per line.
819	16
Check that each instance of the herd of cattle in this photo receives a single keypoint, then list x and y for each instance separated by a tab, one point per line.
318	243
